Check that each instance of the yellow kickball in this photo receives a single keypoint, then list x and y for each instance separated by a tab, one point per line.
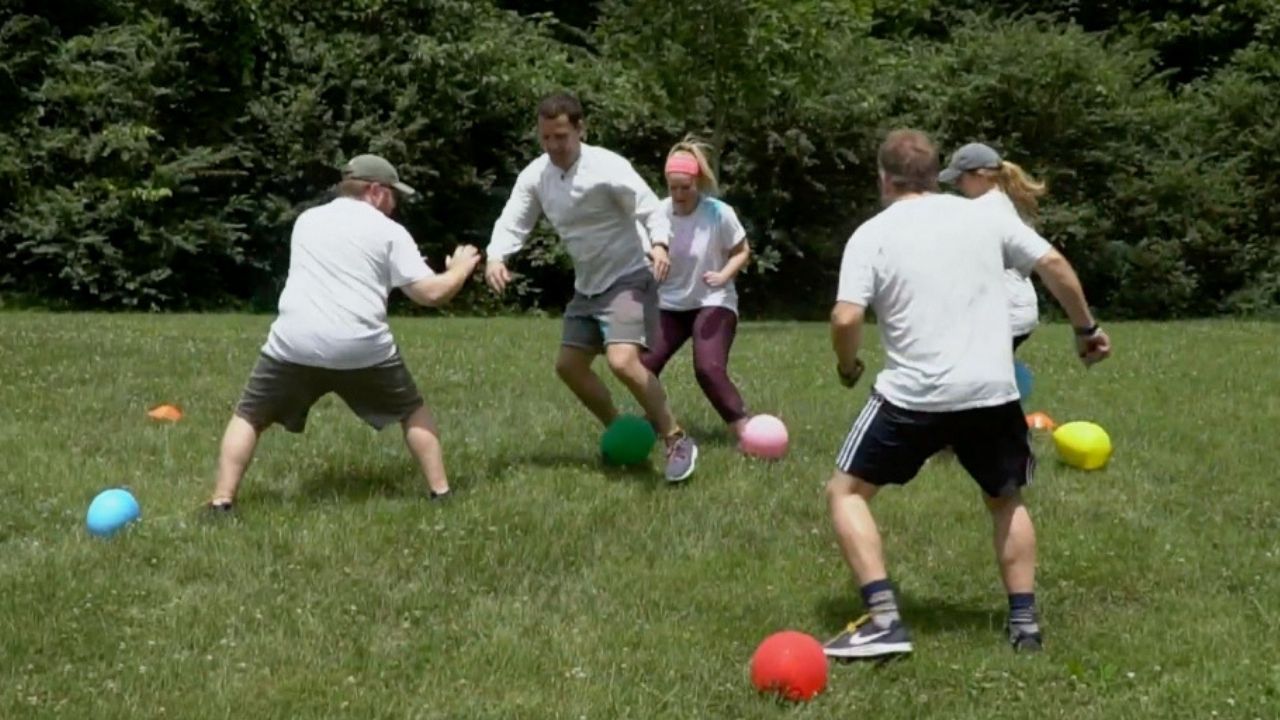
1083	444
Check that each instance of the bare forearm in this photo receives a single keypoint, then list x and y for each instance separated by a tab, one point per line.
737	260
846	334
845	341
1063	283
440	289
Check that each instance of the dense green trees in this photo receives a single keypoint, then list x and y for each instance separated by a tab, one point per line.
153	154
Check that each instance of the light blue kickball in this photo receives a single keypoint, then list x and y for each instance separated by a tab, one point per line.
110	511
1022	374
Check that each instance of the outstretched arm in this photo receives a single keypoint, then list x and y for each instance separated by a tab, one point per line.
519	217
1092	344
1025	251
437	290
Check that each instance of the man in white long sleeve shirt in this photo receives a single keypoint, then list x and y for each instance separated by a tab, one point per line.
596	202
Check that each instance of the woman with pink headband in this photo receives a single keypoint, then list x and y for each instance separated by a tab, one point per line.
698	299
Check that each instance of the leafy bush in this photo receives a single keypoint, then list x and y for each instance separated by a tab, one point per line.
153	154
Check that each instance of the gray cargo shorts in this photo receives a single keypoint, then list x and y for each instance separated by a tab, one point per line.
627	312
283	392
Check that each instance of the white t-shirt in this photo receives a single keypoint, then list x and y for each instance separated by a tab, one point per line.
932	268
1024	307
598	207
344	258
700	243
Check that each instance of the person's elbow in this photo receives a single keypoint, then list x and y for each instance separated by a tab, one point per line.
846	315
428	292
1052	265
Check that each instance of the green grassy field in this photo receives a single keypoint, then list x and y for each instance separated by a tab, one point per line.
553	587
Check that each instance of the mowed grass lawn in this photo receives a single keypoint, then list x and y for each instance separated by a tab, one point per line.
552	587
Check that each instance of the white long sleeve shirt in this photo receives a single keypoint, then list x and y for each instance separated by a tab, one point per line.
600	207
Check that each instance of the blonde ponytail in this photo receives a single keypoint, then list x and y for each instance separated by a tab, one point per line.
706	178
1022	189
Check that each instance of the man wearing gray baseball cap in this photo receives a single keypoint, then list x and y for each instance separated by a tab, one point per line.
376	169
331	334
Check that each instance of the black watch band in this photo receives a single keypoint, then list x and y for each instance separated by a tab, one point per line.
1087	331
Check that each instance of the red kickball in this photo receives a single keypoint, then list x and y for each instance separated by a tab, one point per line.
791	664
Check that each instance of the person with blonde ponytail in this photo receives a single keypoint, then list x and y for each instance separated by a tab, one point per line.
698	299
979	173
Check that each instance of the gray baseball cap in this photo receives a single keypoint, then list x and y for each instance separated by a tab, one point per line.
374	168
974	156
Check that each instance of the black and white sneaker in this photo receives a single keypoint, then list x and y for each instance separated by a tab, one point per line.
864	639
1025	638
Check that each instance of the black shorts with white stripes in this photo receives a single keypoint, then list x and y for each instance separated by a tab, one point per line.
888	444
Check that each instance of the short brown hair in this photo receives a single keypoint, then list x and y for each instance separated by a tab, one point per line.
350	188
561	103
909	161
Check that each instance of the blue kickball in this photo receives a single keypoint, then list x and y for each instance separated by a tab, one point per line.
1022	374
110	511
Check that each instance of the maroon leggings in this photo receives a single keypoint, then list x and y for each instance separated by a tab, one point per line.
712	330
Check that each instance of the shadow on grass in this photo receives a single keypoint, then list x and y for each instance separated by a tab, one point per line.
924	616
402	479
390	479
715	436
581	462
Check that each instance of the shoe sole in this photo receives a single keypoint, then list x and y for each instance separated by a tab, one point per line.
862	652
693	463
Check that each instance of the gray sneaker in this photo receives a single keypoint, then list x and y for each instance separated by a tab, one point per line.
682	457
864	639
1025	637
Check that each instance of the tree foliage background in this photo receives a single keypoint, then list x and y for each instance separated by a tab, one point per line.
153	153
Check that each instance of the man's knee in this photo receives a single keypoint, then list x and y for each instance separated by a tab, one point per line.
421	417
1003	503
572	364
624	359
564	368
843	485
838	487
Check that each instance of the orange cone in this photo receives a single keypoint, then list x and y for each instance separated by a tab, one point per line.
1040	421
165	413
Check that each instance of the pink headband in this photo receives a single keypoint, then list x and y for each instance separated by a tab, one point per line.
683	163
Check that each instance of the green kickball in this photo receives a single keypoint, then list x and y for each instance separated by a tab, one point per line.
627	441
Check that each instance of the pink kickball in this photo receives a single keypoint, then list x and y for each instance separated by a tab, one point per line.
764	436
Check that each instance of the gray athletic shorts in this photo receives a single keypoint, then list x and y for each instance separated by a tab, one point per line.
627	312
283	392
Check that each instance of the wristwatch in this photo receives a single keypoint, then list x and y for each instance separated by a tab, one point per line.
852	378
664	245
1087	331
